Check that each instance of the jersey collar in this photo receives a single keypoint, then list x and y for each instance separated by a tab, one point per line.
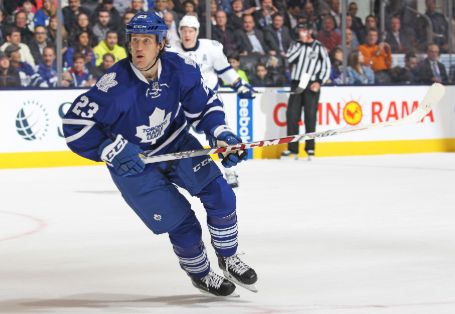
191	49
141	76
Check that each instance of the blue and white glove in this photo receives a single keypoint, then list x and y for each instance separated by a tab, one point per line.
243	89
122	156
223	136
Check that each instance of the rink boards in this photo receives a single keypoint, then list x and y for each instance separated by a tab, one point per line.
30	123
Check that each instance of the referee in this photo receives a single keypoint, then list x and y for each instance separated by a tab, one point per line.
310	67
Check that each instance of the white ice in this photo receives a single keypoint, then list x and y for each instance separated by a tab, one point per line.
345	235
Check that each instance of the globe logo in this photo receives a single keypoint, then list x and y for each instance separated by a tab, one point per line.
32	121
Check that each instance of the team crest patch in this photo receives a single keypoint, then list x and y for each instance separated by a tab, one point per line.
158	123
107	81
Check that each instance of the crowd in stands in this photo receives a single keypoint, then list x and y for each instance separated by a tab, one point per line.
255	34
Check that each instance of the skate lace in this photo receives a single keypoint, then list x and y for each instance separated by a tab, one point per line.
235	264
213	280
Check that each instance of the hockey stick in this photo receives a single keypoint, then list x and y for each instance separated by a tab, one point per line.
432	97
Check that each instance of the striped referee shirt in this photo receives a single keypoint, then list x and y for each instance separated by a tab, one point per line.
310	63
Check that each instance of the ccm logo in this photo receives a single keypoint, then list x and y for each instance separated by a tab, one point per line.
202	164
118	147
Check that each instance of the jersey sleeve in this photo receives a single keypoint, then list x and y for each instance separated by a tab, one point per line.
202	107
86	122
324	74
221	65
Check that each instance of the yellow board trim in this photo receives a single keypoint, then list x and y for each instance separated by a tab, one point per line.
67	158
364	148
43	160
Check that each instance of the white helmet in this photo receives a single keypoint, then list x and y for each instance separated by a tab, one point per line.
189	21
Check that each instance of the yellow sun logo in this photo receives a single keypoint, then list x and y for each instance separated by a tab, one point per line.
352	113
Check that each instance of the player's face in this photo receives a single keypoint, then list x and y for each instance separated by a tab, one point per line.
144	50
189	36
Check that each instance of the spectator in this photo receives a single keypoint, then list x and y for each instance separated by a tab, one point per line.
292	13
277	36
42	15
70	13
399	41
109	45
408	73
261	77
127	16
357	72
106	64
52	33
353	40
263	17
47	70
161	6
250	39
108	5
310	14
335	12
82	25
234	61
328	36
378	56
20	21
189	8
78	75
81	47
336	72
28	7
350	45
102	25
2	26
440	25
357	26
13	36
137	6
27	75
39	42
172	34
430	70
9	77
235	18
370	23
223	33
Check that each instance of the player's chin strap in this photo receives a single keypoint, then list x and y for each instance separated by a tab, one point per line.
156	60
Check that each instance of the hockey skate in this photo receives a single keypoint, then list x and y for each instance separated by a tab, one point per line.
238	272
232	178
214	284
310	154
288	155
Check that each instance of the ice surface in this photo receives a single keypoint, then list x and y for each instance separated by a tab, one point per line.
345	235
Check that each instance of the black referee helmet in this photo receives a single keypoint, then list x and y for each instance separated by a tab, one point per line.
307	26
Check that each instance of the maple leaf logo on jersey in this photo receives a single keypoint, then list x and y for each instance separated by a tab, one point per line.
107	81
159	122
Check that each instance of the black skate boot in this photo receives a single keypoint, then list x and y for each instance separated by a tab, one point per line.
238	272
214	284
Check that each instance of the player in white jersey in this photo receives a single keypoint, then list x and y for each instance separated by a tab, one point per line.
209	56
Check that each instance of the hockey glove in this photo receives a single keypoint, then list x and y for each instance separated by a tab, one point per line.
225	138
122	156
244	90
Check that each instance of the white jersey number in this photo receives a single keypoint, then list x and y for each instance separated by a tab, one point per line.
92	108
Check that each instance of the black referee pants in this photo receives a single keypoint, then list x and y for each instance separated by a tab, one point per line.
307	100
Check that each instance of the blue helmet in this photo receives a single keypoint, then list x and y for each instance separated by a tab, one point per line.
147	23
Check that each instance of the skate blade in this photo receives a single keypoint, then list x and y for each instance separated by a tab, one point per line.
232	295
229	277
290	157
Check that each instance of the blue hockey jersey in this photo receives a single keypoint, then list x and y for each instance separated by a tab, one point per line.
151	114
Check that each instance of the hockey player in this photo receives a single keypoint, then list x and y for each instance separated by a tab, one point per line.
145	102
208	54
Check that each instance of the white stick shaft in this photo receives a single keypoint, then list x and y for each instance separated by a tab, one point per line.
432	97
